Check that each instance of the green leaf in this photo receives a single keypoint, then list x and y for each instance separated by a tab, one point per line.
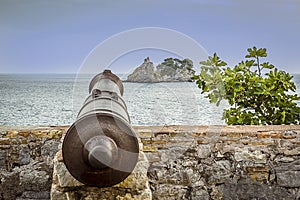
266	65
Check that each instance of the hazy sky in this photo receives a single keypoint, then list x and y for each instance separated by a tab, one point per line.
55	36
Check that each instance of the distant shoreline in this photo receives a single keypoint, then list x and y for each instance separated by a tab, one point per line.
174	81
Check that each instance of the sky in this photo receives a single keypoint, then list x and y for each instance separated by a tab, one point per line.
56	36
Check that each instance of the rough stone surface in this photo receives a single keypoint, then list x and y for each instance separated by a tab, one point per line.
288	175
144	74
247	189
26	162
135	186
185	162
230	162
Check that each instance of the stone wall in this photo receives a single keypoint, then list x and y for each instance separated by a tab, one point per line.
186	162
26	161
231	162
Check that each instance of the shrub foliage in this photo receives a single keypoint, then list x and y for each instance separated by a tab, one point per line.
255	97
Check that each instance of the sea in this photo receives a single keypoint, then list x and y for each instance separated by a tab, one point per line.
55	99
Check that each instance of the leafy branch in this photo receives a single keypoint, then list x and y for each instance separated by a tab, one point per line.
254	97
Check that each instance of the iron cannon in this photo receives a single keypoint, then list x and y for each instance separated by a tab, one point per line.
100	148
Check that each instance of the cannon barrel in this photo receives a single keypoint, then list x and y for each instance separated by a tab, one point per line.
100	148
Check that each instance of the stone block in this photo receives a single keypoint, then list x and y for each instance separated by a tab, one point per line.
259	174
135	186
234	135
24	155
54	134
24	133
5	141
289	134
245	154
291	150
288	179
247	189
219	172
288	175
262	143
49	148
170	192
202	141
3	159
284	159
145	133
276	135
138	179
65	179
150	149
11	134
203	151
39	179
152	157
41	195
199	194
263	135
40	134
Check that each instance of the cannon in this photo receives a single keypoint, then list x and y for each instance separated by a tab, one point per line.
100	148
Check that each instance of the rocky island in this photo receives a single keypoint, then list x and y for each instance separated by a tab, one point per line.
171	70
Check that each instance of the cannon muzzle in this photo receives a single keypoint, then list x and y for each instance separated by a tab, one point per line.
100	148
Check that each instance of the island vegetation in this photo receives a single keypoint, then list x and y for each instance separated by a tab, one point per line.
170	70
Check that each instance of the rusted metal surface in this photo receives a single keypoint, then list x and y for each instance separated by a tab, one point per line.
101	149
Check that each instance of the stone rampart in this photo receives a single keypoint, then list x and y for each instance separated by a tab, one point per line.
185	162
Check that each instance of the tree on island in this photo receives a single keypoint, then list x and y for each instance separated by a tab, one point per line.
254	98
176	63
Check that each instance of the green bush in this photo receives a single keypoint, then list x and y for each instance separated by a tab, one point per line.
255	98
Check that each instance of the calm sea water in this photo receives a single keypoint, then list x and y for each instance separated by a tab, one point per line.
54	99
